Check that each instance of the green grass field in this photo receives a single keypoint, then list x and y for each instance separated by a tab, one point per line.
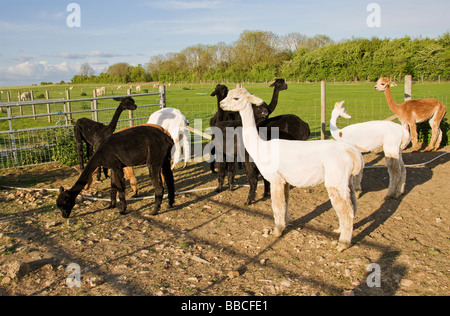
195	102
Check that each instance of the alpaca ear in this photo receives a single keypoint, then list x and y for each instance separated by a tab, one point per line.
392	84
256	100
339	104
61	189
118	99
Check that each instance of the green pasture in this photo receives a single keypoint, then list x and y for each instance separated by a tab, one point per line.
194	100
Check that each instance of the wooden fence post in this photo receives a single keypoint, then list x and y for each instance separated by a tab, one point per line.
162	97
408	87
33	106
69	107
47	97
323	115
94	95
130	113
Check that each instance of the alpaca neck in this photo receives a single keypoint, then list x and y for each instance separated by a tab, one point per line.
333	127
115	118
219	109
390	100
273	104
85	175
252	141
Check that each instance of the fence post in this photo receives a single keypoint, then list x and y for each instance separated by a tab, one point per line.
47	97
162	97
323	115
130	113
33	106
408	87
94	94
20	107
69	107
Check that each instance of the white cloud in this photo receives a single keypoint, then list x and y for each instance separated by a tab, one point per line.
35	72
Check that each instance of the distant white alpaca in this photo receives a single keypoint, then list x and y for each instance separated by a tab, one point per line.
25	96
371	136
173	121
302	164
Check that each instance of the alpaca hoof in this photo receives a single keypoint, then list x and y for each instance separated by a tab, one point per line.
337	230
155	212
278	232
249	202
343	246
219	189
124	212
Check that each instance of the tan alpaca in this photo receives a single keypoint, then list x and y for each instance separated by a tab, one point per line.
416	111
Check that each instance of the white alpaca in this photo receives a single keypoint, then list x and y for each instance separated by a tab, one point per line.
302	164
371	136
173	121
25	96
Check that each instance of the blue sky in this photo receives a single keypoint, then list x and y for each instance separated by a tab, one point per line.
37	45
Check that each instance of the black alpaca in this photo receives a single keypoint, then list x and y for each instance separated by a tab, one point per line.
135	146
290	127
94	133
221	92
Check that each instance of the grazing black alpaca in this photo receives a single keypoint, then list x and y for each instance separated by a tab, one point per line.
135	146
290	127
94	133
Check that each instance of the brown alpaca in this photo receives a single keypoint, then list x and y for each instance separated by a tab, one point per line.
416	111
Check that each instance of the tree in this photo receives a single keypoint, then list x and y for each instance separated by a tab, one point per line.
86	70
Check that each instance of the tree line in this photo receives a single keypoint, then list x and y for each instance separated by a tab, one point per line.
261	56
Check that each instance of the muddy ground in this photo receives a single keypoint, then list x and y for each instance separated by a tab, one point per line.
211	244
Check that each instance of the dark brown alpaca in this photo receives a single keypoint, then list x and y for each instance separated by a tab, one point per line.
94	133
132	147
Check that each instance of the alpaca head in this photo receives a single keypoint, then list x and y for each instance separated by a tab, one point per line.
383	84
280	84
339	110
221	92
239	99
127	103
65	202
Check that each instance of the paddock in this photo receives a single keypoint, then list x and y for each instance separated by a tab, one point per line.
211	244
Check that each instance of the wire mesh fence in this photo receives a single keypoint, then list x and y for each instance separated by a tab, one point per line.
31	131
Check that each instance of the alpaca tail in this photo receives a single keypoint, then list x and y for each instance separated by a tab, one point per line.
406	139
358	160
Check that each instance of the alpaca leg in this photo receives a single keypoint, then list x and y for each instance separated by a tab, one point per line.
279	207
439	140
231	172
402	183
177	154
129	171
252	175
221	167
155	174
436	137
118	185
287	188
414	137
345	211
167	177
186	150
394	169
356	184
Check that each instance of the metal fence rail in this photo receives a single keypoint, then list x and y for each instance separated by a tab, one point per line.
25	146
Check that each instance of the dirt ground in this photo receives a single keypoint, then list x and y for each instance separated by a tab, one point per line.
210	244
